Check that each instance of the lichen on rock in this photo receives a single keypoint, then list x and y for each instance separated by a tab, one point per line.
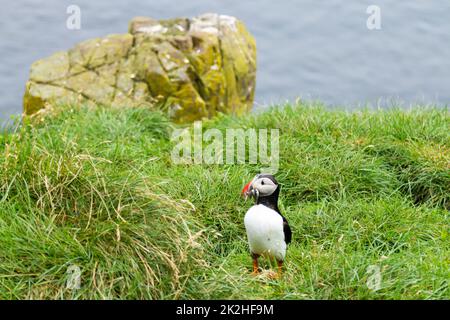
190	68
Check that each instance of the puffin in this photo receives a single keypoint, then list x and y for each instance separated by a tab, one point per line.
268	231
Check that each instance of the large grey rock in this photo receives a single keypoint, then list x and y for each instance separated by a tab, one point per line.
191	68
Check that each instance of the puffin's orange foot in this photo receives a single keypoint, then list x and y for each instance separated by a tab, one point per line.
279	274
274	275
255	265
255	273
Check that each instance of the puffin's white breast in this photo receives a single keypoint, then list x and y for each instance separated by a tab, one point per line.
265	234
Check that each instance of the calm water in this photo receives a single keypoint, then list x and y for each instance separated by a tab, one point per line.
306	48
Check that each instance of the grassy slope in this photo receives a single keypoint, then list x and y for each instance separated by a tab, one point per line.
97	189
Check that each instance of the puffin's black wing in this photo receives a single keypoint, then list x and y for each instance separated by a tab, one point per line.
287	231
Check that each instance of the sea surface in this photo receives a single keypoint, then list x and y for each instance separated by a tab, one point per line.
308	49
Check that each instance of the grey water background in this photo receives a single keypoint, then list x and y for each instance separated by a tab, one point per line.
315	50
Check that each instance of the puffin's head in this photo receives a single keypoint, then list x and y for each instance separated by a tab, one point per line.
262	185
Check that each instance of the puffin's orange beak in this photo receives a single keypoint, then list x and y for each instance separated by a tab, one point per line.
245	192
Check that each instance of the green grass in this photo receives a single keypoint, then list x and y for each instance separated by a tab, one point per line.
97	189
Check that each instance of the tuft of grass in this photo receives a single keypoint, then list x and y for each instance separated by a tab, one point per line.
97	190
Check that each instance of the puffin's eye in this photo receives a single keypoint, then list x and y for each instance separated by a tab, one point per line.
262	182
